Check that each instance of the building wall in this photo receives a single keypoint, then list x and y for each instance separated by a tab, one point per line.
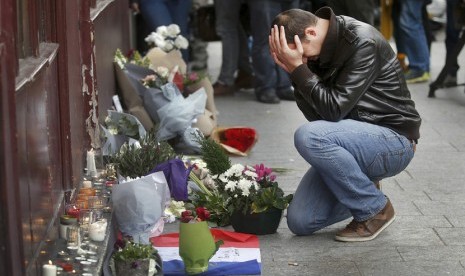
56	100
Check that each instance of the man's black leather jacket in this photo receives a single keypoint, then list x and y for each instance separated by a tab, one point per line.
357	76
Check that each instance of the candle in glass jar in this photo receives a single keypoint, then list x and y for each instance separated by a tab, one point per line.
86	184
97	230
87	191
49	269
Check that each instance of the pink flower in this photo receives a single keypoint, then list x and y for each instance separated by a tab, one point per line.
193	76
264	172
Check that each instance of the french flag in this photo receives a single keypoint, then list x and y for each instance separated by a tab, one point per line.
239	255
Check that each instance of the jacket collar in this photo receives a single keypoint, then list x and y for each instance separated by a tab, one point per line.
331	40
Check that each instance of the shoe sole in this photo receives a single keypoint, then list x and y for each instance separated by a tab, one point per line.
423	78
369	238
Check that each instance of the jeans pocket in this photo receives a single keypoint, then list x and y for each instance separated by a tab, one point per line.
389	164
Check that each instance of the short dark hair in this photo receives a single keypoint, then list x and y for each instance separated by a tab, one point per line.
295	21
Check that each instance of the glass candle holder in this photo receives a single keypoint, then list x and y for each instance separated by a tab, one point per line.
87	191
82	203
72	236
85	218
96	202
65	222
97	230
82	197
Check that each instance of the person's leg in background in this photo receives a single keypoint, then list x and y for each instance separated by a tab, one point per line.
180	10
411	39
452	36
235	51
271	82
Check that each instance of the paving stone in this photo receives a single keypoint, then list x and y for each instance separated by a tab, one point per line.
432	254
447	208
409	222
411	268
456	221
333	268
452	236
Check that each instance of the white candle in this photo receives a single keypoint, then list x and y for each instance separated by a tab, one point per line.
97	230
49	269
86	184
91	168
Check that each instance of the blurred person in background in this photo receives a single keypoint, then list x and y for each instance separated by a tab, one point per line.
272	83
411	39
362	10
453	29
236	68
163	13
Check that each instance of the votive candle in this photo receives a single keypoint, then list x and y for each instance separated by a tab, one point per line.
49	269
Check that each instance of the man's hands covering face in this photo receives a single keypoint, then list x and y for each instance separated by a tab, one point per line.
286	57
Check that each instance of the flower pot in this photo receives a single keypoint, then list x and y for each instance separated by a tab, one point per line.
263	223
196	246
143	267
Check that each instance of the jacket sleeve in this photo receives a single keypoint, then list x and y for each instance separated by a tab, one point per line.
334	100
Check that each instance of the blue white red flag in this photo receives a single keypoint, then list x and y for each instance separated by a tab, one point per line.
239	255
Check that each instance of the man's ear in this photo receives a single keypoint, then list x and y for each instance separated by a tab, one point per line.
310	32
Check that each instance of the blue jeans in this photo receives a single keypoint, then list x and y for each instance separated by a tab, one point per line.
268	75
165	12
234	40
409	33
346	157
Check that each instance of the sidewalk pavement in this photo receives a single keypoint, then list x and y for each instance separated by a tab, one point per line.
428	236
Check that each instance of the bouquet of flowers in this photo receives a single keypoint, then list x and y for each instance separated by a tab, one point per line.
119	128
235	188
167	38
236	140
196	242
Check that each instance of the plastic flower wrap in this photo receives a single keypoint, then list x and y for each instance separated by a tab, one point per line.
119	128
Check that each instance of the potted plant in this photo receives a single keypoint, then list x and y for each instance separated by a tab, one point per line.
132	258
138	159
249	196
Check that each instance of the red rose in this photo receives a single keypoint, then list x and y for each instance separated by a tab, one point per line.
202	213
186	213
187	219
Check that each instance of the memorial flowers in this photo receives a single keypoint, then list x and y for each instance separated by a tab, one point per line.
132	258
167	38
196	242
236	188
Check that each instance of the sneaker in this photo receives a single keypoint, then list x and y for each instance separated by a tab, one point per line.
244	80
267	96
415	76
358	231
286	94
220	89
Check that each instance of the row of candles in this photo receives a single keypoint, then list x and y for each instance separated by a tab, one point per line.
83	224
